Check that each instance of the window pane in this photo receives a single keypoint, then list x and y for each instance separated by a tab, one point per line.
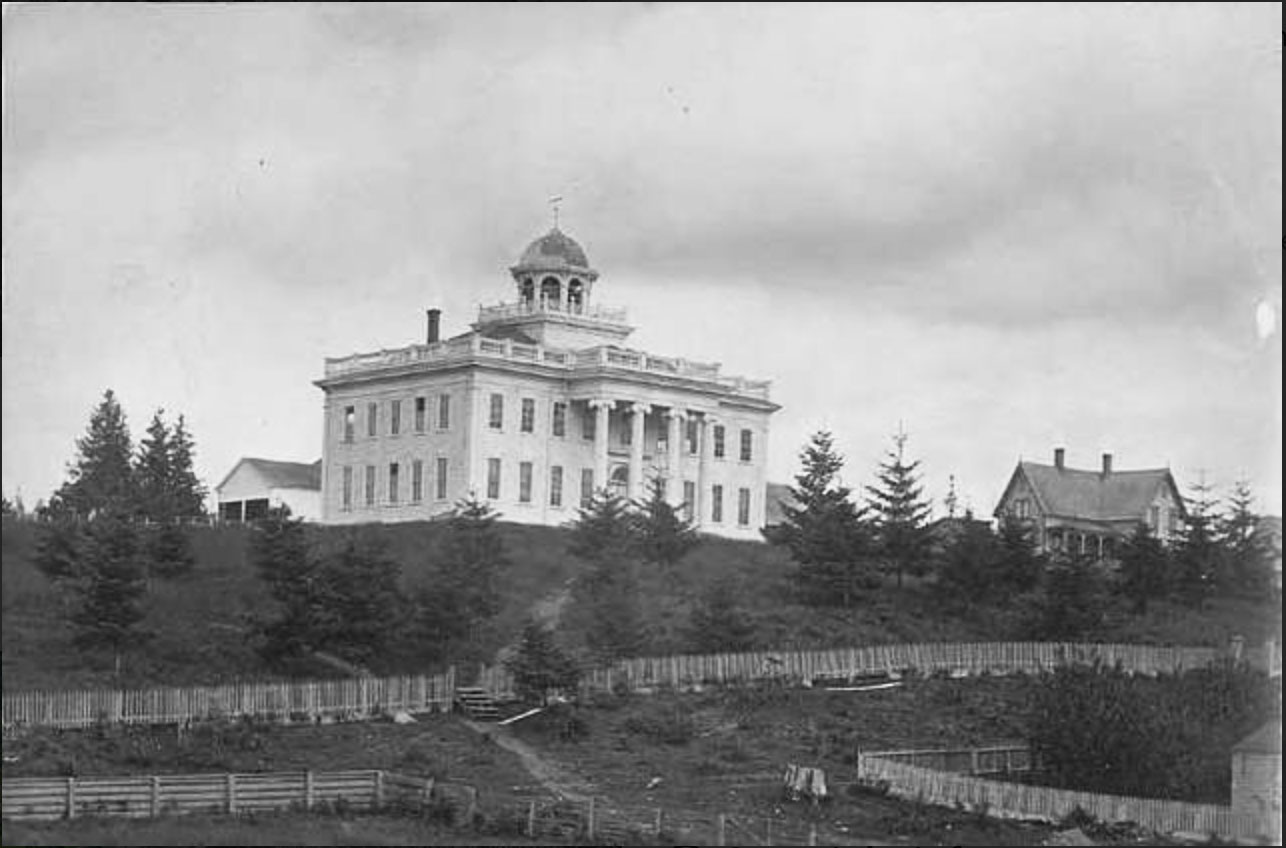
560	419
392	482
442	478
444	412
689	500
420	407
348	487
718	441
417	481
497	419
743	507
556	486
746	438
716	503
372	418
586	486
395	417
528	415
370	485
493	478
350	417
524	482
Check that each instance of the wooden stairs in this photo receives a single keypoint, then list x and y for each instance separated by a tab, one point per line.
476	703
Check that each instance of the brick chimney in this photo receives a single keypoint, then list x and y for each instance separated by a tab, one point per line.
1107	464
1058	458
435	317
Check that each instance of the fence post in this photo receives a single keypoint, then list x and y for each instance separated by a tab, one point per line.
472	811
768	832
812	834
71	797
660	817
232	793
309	792
155	807
719	830
973	760
589	819
531	820
379	788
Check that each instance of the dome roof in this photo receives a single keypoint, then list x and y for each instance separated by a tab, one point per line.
554	251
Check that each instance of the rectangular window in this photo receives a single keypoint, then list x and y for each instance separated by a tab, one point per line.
743	507
444	412
417	481
716	503
524	482
586	486
372	419
719	438
1174	522
589	422
350	419
348	488
694	436
747	438
395	417
689	500
1154	518
392	482
370	485
442	478
421	406
556	485
497	418
493	478
560	419
528	423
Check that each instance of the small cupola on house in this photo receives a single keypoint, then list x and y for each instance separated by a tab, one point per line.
553	274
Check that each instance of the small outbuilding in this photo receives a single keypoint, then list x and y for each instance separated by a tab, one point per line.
254	486
1257	778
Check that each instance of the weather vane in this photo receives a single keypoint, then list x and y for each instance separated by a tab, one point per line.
554	201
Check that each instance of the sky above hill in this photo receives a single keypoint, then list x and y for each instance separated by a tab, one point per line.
1007	228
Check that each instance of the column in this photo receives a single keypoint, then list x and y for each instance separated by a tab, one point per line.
703	469
638	417
674	444
602	410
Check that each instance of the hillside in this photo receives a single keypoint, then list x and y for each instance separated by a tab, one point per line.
204	632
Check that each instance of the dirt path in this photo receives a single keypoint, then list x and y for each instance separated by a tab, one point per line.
552	776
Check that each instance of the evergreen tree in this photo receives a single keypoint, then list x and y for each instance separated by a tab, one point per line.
900	512
717	625
605	596
968	573
187	492
823	530
169	552
362	608
1198	558
7	509
112	590
1018	565
540	666
1247	566
1070	606
100	478
603	530
152	471
280	552
664	536
60	553
1144	568
463	591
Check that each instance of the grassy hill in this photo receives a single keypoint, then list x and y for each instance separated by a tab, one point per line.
204	622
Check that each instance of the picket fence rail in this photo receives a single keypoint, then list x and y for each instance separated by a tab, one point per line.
959	659
356	697
1021	801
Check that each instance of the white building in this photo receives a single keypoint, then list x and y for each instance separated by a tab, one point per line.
537	407
253	486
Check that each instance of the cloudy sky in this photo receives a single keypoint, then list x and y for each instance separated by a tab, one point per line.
1009	228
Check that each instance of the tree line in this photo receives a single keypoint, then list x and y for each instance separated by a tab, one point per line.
844	552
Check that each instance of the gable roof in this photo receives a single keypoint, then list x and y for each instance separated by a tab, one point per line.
1118	495
280	475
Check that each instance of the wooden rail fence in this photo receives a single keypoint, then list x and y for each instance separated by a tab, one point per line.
357	697
803	667
1015	800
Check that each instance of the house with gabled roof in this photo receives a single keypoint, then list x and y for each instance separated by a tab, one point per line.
1091	512
254	486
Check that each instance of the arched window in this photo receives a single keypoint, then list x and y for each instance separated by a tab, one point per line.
575	296
528	291
620	480
550	294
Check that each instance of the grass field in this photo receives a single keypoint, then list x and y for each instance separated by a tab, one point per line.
204	622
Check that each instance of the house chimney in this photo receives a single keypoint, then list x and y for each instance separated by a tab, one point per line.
434	315
1107	464
1058	458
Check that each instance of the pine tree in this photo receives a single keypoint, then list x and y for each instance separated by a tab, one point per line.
100	478
463	591
900	512
152	471
540	666
281	554
717	625
823	530
968	573
605	596
187	492
1018	563
603	530
1144	568
1248	570
1070	605
1198	559
112	590
169	552
362	607
664	535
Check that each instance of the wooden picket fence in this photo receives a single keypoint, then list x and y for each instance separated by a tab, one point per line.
344	698
1021	801
804	667
993	759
